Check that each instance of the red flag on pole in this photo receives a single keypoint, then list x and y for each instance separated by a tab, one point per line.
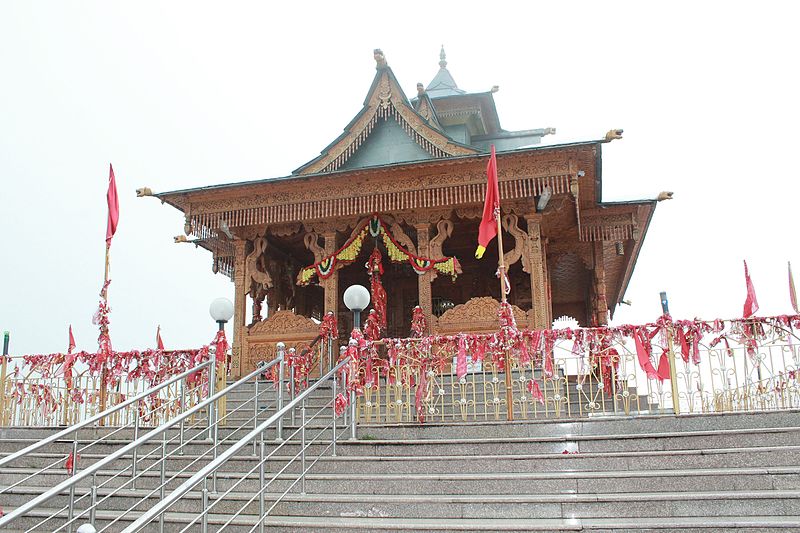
491	208
792	292
113	206
159	342
751	302
71	340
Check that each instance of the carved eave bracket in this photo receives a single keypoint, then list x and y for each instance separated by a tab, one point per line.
521	243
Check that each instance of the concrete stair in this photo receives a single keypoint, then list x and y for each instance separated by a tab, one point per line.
726	472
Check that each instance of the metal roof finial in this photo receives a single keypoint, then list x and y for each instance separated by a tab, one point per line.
442	59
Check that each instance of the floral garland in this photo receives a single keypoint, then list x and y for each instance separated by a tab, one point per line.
348	253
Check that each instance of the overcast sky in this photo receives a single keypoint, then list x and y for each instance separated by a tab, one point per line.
186	94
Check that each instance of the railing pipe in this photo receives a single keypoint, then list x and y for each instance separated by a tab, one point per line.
163	477
212	408
91	421
261	496
135	451
281	347
292	391
204	472
71	511
183	422
255	417
302	449
205	505
353	415
75	479
93	509
333	437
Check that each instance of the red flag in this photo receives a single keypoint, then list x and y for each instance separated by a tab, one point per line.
113	206
751	302
792	292
71	341
159	342
491	208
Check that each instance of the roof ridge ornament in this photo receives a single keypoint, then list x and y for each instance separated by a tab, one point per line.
380	59
442	58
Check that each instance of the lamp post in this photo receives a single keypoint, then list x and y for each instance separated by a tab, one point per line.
356	298
221	310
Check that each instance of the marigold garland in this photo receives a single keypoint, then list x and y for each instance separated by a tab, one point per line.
349	252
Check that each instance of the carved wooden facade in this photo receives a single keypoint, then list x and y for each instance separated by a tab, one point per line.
574	257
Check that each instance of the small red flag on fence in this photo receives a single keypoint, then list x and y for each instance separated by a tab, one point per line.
751	302
71	340
491	208
159	342
113	206
792	291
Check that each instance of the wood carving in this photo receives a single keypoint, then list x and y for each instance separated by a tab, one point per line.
256	268
284	323
401	237
311	240
476	316
521	245
444	230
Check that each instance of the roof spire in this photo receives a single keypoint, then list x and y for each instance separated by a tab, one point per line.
442	58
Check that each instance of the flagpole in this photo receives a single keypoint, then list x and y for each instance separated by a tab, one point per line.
501	268
103	372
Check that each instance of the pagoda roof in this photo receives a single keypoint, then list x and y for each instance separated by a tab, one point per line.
386	106
441	122
443	83
174	197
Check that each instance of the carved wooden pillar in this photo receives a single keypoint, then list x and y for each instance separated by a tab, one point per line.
331	285
239	309
601	303
425	280
540	304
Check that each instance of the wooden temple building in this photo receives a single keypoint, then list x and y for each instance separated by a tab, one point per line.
407	177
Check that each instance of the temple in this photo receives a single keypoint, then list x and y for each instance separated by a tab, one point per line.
398	196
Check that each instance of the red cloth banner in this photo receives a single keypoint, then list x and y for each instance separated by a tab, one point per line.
461	357
491	208
751	302
113	206
159	342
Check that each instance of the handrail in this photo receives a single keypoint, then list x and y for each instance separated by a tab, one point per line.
99	416
211	467
95	467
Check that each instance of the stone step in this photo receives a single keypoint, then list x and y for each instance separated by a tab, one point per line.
367	446
559	482
617	425
774	503
758	457
742	524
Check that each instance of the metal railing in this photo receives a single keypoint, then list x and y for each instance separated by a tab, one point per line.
141	464
73	459
257	437
726	369
35	391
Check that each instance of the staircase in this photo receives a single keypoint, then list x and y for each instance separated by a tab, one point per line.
729	472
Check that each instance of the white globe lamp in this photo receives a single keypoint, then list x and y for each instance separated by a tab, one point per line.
221	311
356	298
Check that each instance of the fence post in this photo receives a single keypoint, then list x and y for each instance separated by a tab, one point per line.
3	373
673	372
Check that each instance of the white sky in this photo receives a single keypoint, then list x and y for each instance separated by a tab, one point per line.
185	94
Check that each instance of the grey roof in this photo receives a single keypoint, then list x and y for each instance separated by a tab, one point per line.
443	83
